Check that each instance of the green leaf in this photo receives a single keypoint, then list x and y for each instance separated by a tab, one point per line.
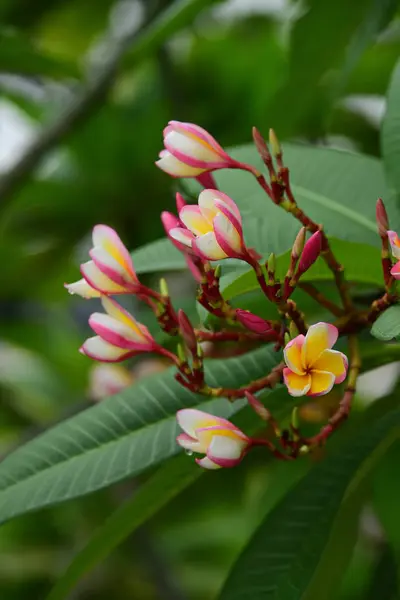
387	326
118	438
390	136
281	560
160	255
162	487
362	265
386	487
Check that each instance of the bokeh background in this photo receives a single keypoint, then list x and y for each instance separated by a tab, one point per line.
317	72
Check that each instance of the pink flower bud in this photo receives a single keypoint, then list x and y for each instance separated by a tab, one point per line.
253	322
381	218
187	331
180	203
258	407
310	253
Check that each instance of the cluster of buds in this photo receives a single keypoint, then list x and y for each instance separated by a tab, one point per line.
212	230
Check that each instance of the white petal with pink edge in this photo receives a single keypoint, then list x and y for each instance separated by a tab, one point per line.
226	451
206	463
98	349
82	288
175	167
188	443
394	243
208	198
208	247
181	235
191	419
292	354
192	218
191	146
115	332
227	234
96	279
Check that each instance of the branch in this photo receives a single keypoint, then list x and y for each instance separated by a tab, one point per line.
89	98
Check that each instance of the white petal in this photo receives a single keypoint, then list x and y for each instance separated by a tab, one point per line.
190	419
206	463
95	277
229	233
208	245
105	258
186	442
175	167
98	349
191	146
180	235
116	327
225	447
82	288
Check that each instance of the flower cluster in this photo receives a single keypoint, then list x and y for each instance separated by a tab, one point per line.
213	230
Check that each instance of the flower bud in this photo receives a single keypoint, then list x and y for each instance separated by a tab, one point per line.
187	331
261	145
310	253
253	322
299	243
381	218
274	143
180	203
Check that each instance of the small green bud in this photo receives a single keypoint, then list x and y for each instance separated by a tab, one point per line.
274	143
293	331
164	287
287	338
271	264
181	353
217	272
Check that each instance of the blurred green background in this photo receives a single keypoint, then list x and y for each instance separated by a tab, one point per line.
317	72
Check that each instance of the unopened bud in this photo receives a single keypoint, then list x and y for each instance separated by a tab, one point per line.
199	350
261	145
217	272
164	288
181	353
299	243
252	321
271	264
382	218
293	331
180	202
274	143
258	406
287	338
312	250
187	331
295	418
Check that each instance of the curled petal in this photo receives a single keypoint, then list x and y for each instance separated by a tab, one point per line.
292	355
110	267
174	167
321	383
116	311
116	333
226	451
395	243
100	282
197	132
395	270
297	385
206	463
228	237
334	362
182	236
188	443
209	198
105	237
320	337
101	350
207	247
191	150
82	288
191	419
193	219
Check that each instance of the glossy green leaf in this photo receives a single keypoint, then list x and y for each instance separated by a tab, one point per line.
387	326
116	439
390	135
160	255
386	487
281	560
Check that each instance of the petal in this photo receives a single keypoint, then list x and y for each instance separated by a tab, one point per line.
118	334
297	385
182	236
334	362
206	463
175	167
226	451
189	146
395	243
188	443
98	349
110	267
191	419
116	311
292	355
208	248
192	218
227	236
395	270
197	132
206	434
321	383
208	199
108	239
107	380
319	337
100	282
82	288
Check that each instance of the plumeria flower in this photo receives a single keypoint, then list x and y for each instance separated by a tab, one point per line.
107	380
213	229
222	442
395	244
312	367
111	269
190	151
119	335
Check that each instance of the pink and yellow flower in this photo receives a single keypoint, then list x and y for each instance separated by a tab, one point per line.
119	335
312	367
395	245
223	444
111	269
213	228
190	151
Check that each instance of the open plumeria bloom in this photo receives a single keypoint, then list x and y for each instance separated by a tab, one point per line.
111	269
223	444
119	335
190	151
213	228
312	367
395	244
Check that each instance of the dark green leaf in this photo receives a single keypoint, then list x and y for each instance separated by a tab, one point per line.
160	255
387	326
391	133
281	560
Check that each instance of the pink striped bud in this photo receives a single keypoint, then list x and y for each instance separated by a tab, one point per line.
180	202
252	322
312	250
187	331
382	218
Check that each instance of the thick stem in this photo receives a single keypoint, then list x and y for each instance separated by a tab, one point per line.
268	381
